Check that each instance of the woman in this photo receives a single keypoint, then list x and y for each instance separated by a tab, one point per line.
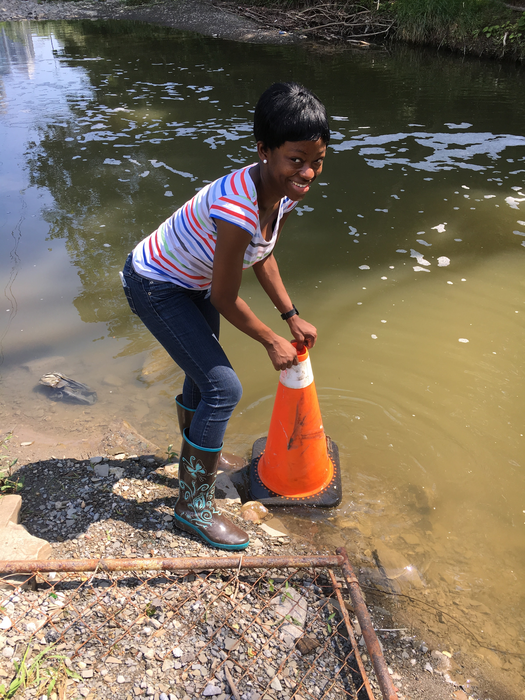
187	273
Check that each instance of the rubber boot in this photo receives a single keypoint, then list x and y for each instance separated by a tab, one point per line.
195	509
227	462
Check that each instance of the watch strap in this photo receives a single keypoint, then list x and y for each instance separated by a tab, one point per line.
289	314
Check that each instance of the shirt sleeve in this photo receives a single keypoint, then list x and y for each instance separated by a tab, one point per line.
237	210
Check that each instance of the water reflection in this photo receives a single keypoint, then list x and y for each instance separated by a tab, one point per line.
407	256
16	48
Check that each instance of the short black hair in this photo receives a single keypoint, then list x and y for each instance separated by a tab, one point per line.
289	112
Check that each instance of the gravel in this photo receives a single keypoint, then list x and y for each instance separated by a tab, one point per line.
158	635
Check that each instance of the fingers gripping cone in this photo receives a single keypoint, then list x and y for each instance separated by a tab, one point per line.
297	464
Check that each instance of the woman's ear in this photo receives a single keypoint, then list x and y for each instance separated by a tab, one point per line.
262	151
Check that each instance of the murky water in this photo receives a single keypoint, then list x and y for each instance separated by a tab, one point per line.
409	256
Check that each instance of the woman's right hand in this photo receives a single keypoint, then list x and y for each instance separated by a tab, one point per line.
281	352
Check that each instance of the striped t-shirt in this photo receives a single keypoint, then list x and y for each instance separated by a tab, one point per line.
181	250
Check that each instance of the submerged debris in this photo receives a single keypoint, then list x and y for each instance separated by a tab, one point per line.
65	389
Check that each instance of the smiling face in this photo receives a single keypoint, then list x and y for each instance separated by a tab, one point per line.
292	167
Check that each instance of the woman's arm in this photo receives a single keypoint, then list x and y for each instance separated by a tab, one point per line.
230	248
267	272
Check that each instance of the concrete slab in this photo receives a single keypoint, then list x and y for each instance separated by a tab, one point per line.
9	509
16	543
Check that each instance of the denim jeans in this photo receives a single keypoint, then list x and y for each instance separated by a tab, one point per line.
186	324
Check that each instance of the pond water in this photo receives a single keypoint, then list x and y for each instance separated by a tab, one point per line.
408	255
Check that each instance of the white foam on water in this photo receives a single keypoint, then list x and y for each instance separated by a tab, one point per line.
513	202
440	228
419	257
443	261
463	125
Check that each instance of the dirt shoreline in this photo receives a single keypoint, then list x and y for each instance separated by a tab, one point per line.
201	16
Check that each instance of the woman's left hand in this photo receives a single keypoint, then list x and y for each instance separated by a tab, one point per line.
303	332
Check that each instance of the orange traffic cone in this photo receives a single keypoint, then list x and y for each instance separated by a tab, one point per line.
297	463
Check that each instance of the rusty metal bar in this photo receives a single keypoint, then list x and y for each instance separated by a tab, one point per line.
372	643
158	564
337	588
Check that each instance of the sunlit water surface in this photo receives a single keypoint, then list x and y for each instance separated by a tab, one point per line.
408	255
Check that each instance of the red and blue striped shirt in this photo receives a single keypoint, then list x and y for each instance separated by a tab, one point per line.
181	250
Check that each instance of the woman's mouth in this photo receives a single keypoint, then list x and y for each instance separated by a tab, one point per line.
304	187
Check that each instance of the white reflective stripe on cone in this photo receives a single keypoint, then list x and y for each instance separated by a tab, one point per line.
298	376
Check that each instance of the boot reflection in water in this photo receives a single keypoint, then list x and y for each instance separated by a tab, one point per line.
195	510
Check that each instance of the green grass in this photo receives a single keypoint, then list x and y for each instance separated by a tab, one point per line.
476	26
34	674
419	20
7	484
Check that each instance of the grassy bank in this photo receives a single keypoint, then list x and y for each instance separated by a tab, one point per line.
480	27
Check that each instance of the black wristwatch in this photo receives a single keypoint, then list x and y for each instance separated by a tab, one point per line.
289	314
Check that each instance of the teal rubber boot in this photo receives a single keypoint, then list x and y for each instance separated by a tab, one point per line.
195	510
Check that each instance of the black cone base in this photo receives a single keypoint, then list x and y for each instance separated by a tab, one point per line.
329	497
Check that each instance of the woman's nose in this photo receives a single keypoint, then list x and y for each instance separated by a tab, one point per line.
307	172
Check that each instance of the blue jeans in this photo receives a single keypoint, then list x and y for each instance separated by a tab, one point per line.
186	324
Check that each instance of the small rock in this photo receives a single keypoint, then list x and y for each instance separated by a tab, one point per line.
112	660
5	623
441	662
250	516
121	679
87	673
102	470
177	652
253	511
211	689
7	652
275	528
276	685
306	645
230	644
429	668
95	460
112	380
